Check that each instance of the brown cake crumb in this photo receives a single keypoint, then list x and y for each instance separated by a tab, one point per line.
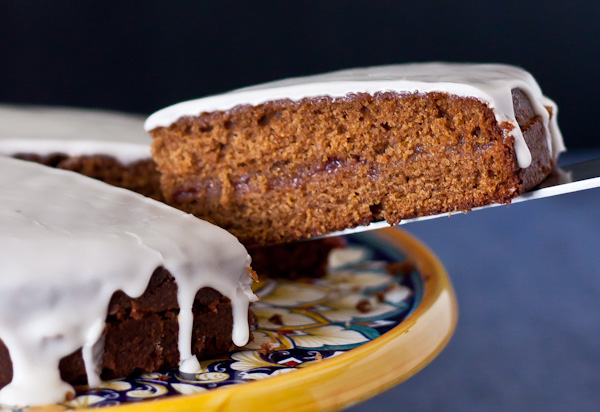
213	306
276	319
364	306
253	274
266	348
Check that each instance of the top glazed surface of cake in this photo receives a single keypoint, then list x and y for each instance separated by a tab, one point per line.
490	83
72	132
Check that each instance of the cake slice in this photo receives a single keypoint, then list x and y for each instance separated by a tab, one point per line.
101	281
303	157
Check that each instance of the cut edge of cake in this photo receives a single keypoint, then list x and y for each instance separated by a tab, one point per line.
240	159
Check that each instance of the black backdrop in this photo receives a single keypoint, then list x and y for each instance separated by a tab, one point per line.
142	55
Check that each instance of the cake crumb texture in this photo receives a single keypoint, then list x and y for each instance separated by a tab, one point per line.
285	170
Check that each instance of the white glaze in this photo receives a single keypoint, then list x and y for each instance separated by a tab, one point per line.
73	132
490	83
61	263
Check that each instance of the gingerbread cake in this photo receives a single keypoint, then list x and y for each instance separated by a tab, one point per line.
99	281
303	157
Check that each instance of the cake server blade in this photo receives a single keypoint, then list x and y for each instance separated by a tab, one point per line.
565	179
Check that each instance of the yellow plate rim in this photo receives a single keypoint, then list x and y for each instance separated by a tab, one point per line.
354	376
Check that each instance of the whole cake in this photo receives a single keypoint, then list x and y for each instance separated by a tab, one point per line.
101	281
302	157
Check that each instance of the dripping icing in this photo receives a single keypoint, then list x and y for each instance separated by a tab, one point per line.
53	303
490	83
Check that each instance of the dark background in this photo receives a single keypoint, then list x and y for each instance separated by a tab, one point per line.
140	56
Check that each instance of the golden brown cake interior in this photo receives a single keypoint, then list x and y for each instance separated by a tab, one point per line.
287	170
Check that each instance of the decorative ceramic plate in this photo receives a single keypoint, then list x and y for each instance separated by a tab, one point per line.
384	310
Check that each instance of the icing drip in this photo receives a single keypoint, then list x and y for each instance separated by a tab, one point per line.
73	132
490	83
61	263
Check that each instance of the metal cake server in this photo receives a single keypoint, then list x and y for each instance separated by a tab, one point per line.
564	179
